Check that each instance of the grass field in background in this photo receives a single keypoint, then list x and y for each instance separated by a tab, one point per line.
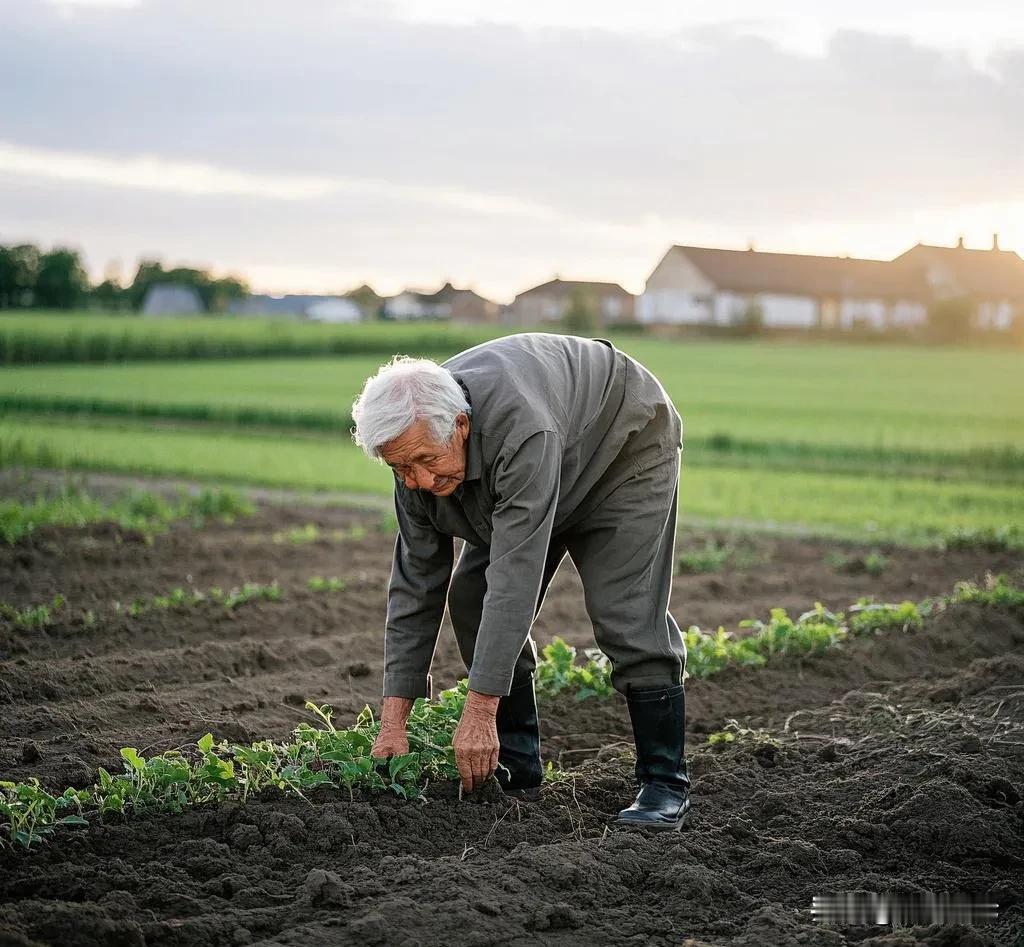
40	337
887	410
911	509
908	441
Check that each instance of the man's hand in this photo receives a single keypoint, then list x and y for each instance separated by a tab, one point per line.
392	739
476	740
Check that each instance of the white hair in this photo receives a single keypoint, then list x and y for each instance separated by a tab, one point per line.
404	391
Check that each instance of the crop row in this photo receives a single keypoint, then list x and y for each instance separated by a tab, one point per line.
812	632
324	756
39	617
43	338
139	510
997	464
912	510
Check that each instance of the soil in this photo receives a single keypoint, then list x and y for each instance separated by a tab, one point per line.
897	766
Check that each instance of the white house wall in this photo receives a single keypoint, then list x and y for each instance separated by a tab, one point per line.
672	306
906	314
676	291
870	312
789	311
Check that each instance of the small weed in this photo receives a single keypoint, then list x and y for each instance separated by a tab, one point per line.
734	732
871	563
986	539
355	532
298	536
712	557
319	584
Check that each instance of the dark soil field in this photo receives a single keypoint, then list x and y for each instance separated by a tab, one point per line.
898	765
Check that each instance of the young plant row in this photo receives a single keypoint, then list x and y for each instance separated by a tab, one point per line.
812	632
319	755
180	598
323	756
40	617
139	510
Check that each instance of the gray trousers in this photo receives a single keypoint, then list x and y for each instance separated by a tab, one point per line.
624	551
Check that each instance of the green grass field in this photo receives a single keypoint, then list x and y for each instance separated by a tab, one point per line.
891	440
40	337
898	507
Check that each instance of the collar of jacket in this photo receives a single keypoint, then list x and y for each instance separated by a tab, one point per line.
474	450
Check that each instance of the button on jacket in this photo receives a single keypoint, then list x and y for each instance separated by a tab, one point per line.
556	424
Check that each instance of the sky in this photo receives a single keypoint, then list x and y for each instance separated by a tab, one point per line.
313	146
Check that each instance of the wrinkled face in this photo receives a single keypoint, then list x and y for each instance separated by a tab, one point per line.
423	463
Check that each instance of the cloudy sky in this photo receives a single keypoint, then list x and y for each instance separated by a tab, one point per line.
317	144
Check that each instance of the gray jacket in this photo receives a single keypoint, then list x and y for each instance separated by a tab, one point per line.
557	422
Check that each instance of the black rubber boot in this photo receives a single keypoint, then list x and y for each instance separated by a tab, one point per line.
658	715
519	742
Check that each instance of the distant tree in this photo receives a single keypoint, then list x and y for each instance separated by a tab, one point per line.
148	273
580	318
218	293
110	295
215	293
752	318
61	280
951	319
19	269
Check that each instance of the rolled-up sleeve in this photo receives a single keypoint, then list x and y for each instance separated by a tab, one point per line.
420	574
527	486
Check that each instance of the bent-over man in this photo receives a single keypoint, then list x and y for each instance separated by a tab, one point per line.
529	447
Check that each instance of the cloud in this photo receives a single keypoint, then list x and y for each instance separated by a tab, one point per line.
500	145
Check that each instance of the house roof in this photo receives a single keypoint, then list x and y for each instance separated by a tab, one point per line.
564	287
751	271
449	293
986	273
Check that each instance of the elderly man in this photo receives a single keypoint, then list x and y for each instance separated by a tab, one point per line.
530	447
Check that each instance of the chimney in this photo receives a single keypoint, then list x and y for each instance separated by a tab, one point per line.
960	242
995	241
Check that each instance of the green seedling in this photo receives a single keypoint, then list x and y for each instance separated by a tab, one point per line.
994	590
33	617
559	671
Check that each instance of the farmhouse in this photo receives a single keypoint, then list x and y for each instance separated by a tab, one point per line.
172	299
550	301
316	308
459	305
700	285
705	286
993	279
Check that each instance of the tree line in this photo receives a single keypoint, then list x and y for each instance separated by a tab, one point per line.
31	278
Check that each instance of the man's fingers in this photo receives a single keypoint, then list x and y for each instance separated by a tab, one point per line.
465	771
483	767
